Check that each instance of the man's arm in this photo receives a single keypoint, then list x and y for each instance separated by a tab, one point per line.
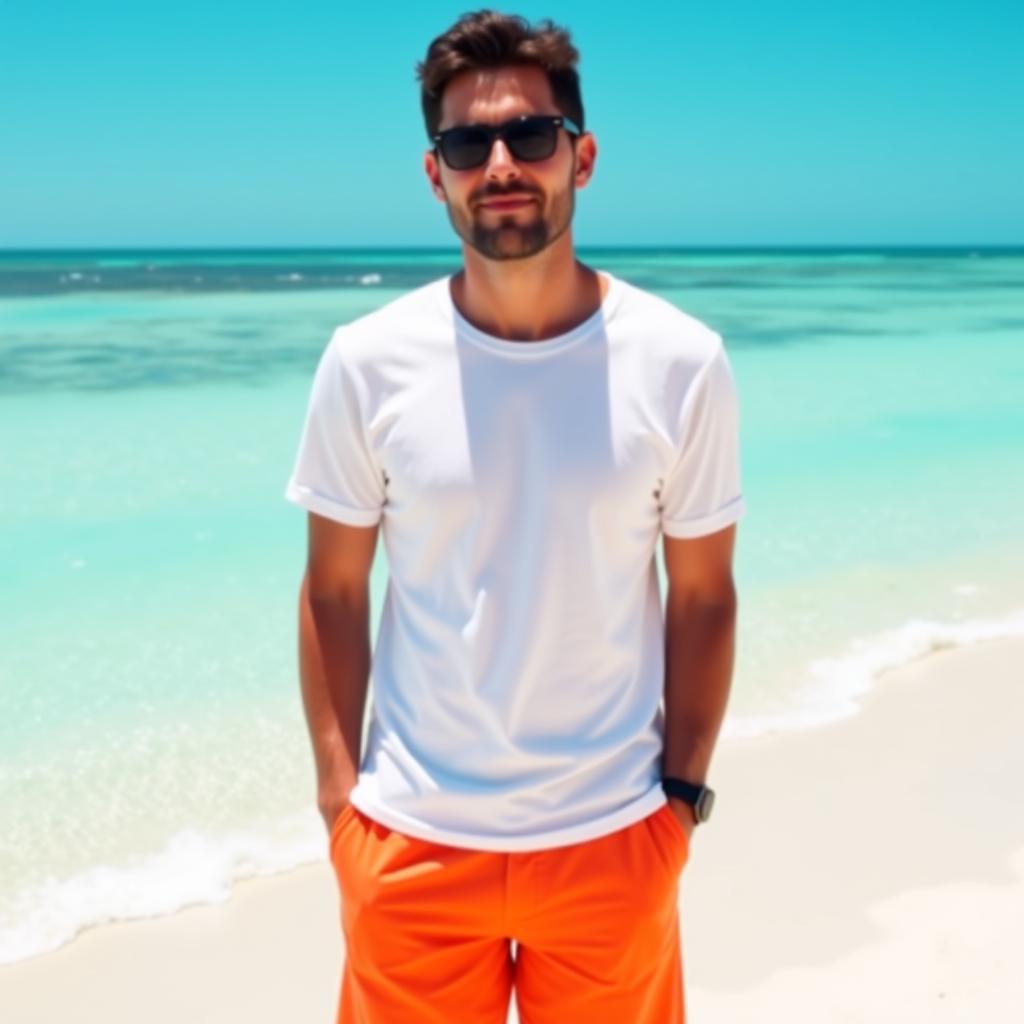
334	652
700	635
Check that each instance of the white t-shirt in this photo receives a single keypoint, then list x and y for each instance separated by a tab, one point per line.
518	671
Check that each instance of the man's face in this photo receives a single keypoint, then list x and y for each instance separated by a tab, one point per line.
508	209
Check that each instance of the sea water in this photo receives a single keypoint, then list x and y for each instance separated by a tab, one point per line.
152	743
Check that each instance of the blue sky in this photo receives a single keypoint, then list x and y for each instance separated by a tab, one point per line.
744	123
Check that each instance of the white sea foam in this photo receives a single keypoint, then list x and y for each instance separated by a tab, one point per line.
370	279
832	686
287	277
192	869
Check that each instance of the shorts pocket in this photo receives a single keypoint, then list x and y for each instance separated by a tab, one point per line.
675	826
339	821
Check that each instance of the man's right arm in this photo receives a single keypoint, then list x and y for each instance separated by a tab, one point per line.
334	653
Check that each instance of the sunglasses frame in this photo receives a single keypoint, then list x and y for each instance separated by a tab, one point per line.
497	131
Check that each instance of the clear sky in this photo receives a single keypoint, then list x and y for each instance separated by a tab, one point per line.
130	123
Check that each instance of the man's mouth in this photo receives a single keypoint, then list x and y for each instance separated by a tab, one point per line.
506	202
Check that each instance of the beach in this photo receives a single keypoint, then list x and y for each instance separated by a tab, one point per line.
867	869
200	208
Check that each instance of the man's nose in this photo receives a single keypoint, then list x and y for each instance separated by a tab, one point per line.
500	164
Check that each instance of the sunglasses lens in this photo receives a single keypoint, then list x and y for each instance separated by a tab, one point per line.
463	148
529	139
532	139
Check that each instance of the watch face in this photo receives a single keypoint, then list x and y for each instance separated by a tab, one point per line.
705	802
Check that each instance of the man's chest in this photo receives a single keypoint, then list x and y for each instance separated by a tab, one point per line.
460	438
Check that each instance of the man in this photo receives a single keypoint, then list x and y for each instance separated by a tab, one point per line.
525	429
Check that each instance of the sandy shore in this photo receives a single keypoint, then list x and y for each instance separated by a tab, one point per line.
869	870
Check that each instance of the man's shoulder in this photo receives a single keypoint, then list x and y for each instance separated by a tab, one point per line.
660	327
401	317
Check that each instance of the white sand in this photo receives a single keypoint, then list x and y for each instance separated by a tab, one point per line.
870	870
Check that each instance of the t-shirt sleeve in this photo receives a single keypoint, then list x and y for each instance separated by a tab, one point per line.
701	492
334	473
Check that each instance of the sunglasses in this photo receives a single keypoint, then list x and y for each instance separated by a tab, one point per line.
531	137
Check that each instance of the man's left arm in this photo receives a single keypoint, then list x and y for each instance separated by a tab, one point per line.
700	643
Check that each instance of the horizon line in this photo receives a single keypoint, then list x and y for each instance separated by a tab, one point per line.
653	247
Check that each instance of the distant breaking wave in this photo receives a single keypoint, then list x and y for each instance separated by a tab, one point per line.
38	272
27	282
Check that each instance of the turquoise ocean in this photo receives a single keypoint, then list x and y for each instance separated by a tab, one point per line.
152	744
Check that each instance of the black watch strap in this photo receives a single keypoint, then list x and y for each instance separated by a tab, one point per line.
699	797
688	791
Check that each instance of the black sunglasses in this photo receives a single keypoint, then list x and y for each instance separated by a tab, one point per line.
530	137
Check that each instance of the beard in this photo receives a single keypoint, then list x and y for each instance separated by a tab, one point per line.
515	236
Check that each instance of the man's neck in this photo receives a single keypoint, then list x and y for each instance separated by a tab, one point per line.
529	299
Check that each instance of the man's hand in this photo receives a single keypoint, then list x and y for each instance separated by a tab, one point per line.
331	804
684	812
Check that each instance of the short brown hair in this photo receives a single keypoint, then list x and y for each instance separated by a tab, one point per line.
490	39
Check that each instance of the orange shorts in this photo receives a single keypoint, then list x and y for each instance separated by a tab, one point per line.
429	928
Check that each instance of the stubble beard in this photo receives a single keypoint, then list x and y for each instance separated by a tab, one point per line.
510	240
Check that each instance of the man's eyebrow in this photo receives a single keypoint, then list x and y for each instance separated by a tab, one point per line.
504	120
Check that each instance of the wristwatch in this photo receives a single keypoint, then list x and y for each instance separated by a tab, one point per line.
699	797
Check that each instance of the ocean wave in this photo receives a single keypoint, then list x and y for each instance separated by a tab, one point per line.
192	869
833	686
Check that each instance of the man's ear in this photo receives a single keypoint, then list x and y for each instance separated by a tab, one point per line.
586	157
433	170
